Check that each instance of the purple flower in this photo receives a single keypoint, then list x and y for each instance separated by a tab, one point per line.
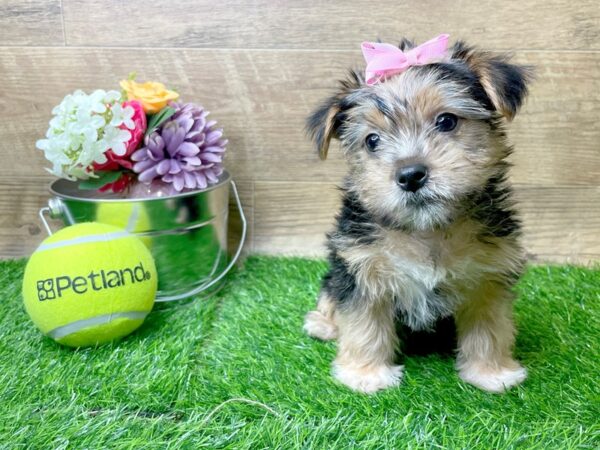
186	151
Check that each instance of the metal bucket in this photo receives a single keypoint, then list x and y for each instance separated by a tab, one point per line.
186	233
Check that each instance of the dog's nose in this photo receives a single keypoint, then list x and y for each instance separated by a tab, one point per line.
412	178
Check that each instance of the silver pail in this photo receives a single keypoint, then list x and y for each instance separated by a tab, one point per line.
186	233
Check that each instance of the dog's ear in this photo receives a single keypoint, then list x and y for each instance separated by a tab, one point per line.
505	84
325	121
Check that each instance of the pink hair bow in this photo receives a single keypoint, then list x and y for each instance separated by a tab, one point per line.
385	60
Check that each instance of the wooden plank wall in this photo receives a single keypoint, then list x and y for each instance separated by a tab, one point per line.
261	65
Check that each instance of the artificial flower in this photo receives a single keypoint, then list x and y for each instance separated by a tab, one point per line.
122	114
81	132
185	152
115	139
119	185
137	127
135	122
154	96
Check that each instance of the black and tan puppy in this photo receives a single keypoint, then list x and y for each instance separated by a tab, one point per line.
427	228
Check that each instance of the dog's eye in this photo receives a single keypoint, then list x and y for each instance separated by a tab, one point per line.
372	141
446	122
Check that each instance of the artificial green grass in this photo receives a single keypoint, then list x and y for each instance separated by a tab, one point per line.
168	385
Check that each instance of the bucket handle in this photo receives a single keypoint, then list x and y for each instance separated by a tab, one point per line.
42	214
225	271
55	207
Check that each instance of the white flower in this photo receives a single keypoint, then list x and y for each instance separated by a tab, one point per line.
91	152
94	103
58	123
112	97
87	124
122	115
53	151
115	139
83	129
67	104
78	173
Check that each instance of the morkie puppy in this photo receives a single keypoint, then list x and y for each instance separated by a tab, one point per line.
427	230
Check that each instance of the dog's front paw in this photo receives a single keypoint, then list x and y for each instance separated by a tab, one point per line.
367	379
497	379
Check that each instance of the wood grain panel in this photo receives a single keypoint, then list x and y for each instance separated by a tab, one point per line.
556	135
293	217
21	230
535	24
31	22
262	98
560	223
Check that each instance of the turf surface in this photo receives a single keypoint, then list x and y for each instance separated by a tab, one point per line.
237	372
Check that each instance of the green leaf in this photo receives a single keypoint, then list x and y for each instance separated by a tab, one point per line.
132	76
156	120
102	179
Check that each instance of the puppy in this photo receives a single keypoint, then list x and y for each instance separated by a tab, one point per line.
427	228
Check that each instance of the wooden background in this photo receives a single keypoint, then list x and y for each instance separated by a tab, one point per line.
261	65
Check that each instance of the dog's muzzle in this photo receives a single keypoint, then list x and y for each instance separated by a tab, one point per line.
412	178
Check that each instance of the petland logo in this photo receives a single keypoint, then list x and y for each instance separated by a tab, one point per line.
52	288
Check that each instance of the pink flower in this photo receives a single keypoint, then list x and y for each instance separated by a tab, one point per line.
115	162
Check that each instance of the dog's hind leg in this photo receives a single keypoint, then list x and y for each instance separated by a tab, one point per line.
320	323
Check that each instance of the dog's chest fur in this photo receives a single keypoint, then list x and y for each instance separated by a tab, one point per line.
428	274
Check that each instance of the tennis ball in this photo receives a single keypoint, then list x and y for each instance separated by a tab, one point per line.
126	215
88	284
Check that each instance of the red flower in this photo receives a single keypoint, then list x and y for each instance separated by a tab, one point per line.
116	162
120	185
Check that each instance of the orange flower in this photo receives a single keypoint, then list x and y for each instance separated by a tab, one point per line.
154	96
